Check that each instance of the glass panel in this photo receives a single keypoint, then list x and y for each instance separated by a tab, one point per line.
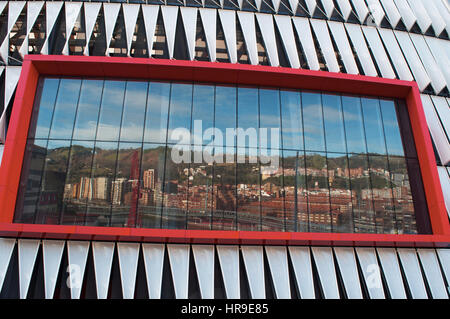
157	112
152	177
248	191
340	193
175	189
296	198
79	185
318	192
180	113
269	119
32	171
391	128
125	188
224	213
406	131
248	119
272	194
52	185
111	111
363	212
98	211
43	110
88	107
354	130
313	121
134	111
65	109
292	125
404	205
200	197
225	119
202	113
334	123
382	194
374	126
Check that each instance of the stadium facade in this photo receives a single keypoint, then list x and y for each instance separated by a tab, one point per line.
225	149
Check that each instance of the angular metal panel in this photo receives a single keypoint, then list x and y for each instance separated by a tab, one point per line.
376	11
33	10
305	36
72	11
380	55
130	14
417	68
328	5
443	10
204	264
52	254
294	5
265	22
367	259
103	253
437	21
77	256
437	78
258	4
128	261
14	10
12	75
340	37
229	265
392	273
444	259
209	21
170	15
423	19
362	51
443	110
445	184
284	24
276	5
392	13
254	266
111	12
150	14
189	16
6	249
411	267
436	130
441	55
408	17
323	257
247	21
396	54
321	30
361	9
433	273
154	262
228	21
91	10
345	7
349	271
179	265
28	249
52	10
278	263
311	6
301	262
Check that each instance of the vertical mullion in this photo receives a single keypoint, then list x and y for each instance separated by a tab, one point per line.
258	152
280	160
211	220
304	163
235	157
191	153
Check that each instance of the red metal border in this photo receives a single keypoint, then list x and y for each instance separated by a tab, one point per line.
35	65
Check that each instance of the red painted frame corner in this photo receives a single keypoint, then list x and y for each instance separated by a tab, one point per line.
174	70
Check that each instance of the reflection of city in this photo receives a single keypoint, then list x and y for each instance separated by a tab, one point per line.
322	195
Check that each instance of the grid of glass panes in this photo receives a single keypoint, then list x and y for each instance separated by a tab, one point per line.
102	152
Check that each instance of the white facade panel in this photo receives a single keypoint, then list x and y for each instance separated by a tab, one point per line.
305	36
340	37
321	30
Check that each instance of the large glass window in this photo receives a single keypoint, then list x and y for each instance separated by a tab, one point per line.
155	154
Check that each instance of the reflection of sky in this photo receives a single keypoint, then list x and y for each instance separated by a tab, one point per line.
373	126
391	128
133	111
111	111
202	110
47	102
247	108
157	112
313	123
334	123
180	107
88	107
269	117
292	121
65	108
353	124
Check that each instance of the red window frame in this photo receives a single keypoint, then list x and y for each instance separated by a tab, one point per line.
36	65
